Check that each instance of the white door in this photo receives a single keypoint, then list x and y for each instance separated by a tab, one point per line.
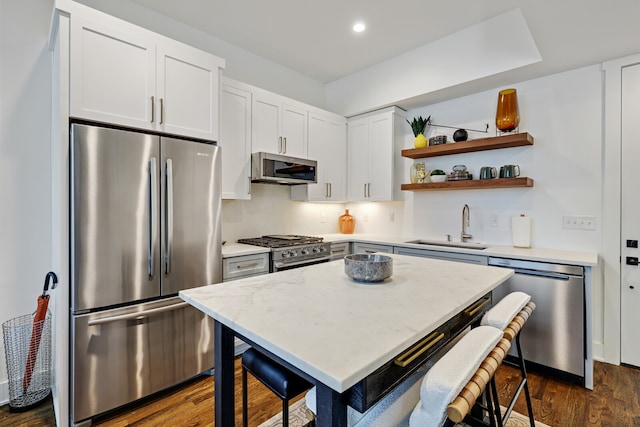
630	224
317	150
235	140
336	159
187	91
112	74
381	152
265	124
357	159
293	130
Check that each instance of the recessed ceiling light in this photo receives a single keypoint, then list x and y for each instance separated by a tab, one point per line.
358	27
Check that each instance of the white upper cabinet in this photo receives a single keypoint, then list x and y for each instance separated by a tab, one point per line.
374	144
279	126
235	140
123	74
327	144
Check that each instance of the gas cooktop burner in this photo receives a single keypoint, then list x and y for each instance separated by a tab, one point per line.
281	241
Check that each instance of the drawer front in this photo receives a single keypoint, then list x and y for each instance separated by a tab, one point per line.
369	391
339	250
245	266
368	248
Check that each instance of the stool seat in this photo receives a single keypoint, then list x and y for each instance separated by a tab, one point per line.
279	379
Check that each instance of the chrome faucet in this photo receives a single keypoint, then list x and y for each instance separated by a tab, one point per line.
464	236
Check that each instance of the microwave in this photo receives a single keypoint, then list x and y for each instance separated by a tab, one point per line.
278	169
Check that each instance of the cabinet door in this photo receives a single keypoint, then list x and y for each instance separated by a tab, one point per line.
187	92
112	74
381	157
265	124
358	159
336	159
235	140
317	150
293	130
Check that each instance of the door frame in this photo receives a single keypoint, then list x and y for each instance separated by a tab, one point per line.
611	198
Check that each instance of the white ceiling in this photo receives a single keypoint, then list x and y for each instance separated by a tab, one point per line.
315	37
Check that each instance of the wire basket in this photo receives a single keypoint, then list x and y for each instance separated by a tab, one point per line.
26	389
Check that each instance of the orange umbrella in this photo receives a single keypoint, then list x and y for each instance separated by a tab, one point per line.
36	332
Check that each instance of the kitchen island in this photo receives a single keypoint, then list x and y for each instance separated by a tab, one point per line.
330	329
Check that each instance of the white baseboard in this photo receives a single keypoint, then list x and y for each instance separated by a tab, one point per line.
4	392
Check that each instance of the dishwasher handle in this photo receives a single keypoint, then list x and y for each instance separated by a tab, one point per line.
548	274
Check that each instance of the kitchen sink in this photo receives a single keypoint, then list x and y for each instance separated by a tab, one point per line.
444	243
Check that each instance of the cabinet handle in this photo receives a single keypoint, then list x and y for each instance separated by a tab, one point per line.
284	145
368	189
280	145
365	189
161	110
153	109
252	264
330	190
415	351
249	190
473	308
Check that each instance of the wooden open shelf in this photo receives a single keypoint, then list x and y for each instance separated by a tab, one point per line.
476	184
481	144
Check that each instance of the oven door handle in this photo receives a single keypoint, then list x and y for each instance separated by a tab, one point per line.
279	264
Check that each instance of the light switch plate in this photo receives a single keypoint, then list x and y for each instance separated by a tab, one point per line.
579	222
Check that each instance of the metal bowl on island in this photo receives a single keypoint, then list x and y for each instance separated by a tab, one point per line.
368	267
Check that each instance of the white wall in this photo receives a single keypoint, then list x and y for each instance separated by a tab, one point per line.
25	171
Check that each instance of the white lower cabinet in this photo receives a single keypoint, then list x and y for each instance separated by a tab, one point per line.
448	256
339	250
239	267
369	248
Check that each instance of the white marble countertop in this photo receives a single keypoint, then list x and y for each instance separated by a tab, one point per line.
589	259
238	249
337	330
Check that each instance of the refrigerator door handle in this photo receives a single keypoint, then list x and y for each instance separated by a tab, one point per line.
168	215
153	215
137	315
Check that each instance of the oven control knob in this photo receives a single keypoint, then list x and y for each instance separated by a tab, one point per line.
316	249
293	252
285	254
323	248
304	251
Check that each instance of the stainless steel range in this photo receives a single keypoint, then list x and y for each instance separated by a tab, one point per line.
292	251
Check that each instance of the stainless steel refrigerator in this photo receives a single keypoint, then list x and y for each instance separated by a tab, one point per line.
145	221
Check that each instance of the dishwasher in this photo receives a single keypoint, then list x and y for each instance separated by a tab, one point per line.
553	339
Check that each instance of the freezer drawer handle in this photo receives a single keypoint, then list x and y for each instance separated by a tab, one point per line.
138	315
168	246
153	219
415	351
473	308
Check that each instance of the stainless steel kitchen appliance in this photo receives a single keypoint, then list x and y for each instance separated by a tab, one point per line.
554	337
272	168
292	251
145	215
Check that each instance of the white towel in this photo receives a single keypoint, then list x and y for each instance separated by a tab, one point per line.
449	375
503	313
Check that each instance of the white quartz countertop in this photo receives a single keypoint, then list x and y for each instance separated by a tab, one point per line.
337	330
589	259
238	249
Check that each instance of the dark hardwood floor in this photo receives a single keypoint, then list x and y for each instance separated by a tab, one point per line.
614	401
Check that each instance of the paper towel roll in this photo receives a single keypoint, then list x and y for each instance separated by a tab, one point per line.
521	231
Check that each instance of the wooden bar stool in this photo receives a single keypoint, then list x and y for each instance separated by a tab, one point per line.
459	378
280	380
510	315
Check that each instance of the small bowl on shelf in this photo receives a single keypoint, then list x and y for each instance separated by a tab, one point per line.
438	178
368	267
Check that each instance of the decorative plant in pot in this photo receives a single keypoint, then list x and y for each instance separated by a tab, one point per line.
418	125
438	175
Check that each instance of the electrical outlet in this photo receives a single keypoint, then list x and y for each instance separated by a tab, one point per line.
574	222
391	217
323	217
365	217
494	220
